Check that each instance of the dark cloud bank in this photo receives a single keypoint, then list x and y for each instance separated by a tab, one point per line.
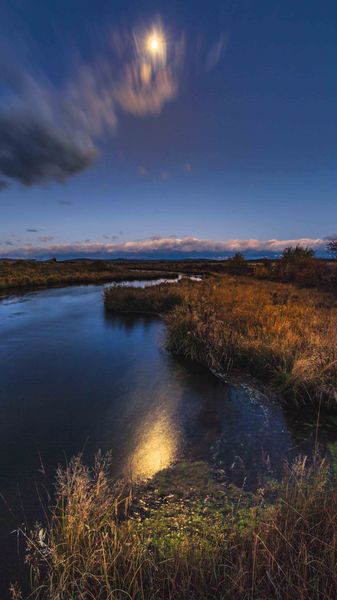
33	151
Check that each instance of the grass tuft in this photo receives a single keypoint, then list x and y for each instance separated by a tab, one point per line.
97	545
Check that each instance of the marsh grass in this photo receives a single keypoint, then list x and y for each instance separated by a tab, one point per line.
97	546
25	273
273	330
155	299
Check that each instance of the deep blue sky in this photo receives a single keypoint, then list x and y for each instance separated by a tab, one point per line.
244	148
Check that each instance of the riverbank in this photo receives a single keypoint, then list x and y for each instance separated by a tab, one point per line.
15	274
303	271
187	534
275	331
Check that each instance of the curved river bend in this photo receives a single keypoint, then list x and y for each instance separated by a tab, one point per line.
74	378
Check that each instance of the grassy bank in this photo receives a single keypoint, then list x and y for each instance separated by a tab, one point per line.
156	299
169	541
24	273
275	331
295	267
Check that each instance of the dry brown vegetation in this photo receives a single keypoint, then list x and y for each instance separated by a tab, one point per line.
97	546
153	299
25	273
274	330
297	265
199	537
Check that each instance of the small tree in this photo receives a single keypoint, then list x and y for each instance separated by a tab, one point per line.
297	264
332	248
297	255
237	264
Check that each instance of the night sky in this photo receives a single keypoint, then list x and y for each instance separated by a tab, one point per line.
221	137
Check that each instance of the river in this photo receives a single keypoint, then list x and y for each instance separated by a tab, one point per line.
74	378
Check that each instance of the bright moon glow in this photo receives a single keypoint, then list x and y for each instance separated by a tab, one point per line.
155	44
157	447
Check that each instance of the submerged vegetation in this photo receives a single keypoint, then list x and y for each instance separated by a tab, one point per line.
273	330
167	541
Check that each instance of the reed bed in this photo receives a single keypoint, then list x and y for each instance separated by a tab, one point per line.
96	547
273	330
155	299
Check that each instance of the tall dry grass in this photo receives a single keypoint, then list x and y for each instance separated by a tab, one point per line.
26	273
273	330
94	548
152	299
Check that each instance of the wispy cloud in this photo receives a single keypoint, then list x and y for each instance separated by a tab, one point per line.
216	52
51	133
164	246
45	238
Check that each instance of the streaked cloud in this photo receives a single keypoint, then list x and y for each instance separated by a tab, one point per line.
216	52
164	246
52	132
45	238
139	97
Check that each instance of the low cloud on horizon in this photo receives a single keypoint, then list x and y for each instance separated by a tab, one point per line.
160	247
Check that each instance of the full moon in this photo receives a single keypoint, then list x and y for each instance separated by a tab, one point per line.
155	44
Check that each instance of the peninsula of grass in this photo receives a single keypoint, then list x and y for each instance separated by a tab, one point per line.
156	299
275	331
186	535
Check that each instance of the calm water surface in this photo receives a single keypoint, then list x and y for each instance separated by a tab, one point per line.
74	378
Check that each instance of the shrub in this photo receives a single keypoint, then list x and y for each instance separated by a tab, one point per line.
297	264
332	248
237	265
